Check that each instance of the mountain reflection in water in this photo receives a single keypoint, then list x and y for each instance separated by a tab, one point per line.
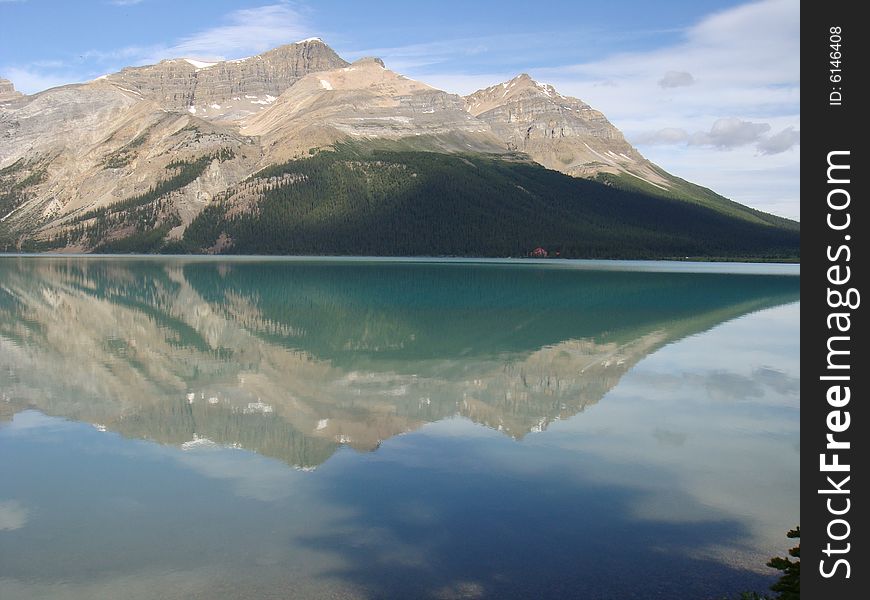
294	359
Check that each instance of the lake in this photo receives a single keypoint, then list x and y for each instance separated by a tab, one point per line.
351	428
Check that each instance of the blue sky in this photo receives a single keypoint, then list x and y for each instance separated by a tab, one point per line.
710	90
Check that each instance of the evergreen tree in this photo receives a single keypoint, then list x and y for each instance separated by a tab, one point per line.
789	585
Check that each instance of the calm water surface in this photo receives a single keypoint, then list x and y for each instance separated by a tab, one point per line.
174	428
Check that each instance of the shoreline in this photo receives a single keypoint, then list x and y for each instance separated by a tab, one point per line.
758	267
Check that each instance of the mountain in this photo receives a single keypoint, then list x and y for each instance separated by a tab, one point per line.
566	134
559	132
297	150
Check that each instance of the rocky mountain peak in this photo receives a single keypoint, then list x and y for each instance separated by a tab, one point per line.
8	91
227	89
523	80
557	131
520	87
312	54
369	60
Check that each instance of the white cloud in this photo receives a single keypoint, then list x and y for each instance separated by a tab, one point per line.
730	133
31	80
666	135
125	2
251	475
782	141
248	31
13	515
418	56
245	32
725	134
674	79
123	56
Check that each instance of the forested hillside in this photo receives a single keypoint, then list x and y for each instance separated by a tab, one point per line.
381	202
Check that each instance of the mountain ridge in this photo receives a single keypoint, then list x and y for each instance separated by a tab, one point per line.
81	165
238	86
560	132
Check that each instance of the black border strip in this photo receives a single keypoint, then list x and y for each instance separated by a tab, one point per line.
833	123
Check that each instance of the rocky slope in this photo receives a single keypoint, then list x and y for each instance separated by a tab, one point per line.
76	149
83	148
365	101
227	89
8	91
559	132
144	151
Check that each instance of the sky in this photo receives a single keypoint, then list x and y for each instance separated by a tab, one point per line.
707	89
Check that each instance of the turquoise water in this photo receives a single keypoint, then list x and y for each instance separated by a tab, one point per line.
349	428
